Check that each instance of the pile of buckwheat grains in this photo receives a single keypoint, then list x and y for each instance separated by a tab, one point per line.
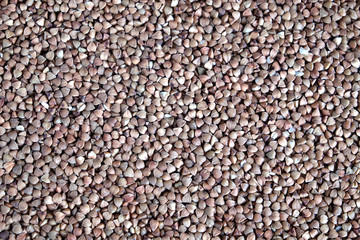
209	120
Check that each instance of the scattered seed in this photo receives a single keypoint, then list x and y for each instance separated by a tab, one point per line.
213	119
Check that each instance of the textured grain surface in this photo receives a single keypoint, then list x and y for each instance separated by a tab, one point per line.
175	119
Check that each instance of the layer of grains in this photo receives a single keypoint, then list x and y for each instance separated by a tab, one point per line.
209	120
